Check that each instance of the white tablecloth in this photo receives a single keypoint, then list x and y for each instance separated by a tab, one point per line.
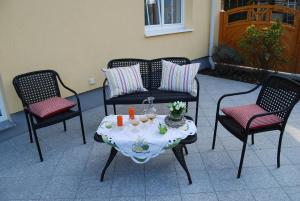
143	142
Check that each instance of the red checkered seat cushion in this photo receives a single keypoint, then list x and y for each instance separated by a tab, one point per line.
242	115
51	106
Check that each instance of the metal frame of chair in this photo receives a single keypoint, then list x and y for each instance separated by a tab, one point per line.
278	96
37	86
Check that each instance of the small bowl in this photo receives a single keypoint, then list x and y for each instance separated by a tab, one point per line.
134	122
108	125
144	118
151	116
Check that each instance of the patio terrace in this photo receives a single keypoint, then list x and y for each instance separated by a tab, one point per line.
71	170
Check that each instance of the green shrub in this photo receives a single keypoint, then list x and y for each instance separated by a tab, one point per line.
262	48
225	54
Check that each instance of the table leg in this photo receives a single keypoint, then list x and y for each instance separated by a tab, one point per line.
113	153
178	152
185	149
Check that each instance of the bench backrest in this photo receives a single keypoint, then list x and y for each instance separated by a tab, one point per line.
151	70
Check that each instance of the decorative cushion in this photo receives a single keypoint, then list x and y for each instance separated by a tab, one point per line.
124	80
242	115
50	107
179	78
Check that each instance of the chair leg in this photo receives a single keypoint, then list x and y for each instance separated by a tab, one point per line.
105	109
115	112
215	133
242	157
252	138
187	106
185	149
82	129
37	145
29	127
65	126
279	149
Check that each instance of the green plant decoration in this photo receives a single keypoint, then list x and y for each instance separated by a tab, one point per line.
262	47
226	55
162	129
177	108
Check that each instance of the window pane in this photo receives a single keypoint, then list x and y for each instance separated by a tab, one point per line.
172	11
152	8
237	16
283	17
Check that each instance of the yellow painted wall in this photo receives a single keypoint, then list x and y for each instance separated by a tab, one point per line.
78	37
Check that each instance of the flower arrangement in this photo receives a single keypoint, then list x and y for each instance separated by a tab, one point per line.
177	108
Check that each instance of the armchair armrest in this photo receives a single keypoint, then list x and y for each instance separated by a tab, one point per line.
104	85
198	86
71	90
266	114
234	94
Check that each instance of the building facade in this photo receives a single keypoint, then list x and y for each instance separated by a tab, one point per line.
77	38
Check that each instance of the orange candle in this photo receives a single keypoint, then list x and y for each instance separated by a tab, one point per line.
131	112
119	120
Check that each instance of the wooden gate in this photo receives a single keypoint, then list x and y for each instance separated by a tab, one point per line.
233	24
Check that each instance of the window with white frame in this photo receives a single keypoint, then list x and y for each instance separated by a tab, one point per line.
164	15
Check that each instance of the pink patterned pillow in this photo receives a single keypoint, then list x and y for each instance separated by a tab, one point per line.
242	115
51	106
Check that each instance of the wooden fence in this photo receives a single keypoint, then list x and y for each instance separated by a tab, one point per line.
233	24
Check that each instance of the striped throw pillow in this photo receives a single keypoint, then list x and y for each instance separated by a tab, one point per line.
242	114
124	80
179	78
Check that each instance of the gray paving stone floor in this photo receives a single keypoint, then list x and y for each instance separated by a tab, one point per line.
71	170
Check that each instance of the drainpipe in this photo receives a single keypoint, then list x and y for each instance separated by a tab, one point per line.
212	32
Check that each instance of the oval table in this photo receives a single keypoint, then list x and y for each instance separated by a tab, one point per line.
177	150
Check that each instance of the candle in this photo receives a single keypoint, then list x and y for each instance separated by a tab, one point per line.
119	120
131	112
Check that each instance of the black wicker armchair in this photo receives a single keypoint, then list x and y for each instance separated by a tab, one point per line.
151	72
37	86
278	96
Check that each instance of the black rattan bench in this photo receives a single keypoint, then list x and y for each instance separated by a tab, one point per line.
151	72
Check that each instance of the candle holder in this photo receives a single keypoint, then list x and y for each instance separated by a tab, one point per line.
119	120
131	112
